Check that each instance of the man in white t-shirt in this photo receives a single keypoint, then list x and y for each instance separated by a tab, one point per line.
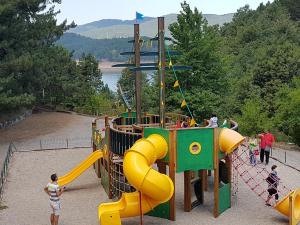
53	190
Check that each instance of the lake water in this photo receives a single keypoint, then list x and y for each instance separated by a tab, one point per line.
111	79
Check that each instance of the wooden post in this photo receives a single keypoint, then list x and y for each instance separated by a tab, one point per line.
161	69
106	122
108	161
172	170
162	167
187	191
216	173
138	74
93	144
203	178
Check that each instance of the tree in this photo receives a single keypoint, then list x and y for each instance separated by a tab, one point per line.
288	110
293	6
199	44
253	119
28	32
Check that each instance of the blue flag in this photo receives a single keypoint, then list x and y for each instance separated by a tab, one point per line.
139	16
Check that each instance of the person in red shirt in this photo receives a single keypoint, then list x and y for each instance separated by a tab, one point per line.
269	140
262	146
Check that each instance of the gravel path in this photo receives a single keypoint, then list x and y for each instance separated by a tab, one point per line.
28	205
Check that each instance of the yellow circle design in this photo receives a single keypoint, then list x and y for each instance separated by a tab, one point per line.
195	148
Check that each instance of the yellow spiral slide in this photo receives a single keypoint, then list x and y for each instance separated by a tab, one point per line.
153	188
80	168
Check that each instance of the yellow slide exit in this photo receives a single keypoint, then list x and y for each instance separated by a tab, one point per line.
80	168
155	188
290	206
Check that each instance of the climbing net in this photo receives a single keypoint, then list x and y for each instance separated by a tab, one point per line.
119	183
255	175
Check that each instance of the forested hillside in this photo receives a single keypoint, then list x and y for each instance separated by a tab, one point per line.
102	49
248	69
33	70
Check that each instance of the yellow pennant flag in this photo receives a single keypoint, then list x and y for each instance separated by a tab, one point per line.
170	64
183	104
176	84
193	122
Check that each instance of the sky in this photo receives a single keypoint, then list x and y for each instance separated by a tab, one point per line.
85	11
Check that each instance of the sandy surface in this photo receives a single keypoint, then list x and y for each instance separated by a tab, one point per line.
28	205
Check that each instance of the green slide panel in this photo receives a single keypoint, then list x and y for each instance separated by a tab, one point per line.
224	198
161	211
191	157
163	132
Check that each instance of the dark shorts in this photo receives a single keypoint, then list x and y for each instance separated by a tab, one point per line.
272	191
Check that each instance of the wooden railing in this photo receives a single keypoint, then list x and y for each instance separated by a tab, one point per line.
120	141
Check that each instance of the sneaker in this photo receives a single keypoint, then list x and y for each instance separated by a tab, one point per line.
267	204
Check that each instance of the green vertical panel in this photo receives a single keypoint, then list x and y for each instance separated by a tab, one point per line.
163	132
224	198
161	211
126	114
185	159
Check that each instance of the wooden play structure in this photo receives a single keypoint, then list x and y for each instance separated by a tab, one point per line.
193	152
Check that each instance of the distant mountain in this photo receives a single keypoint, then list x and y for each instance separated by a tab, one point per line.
105	39
112	28
104	23
102	49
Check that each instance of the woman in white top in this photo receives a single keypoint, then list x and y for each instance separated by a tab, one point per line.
213	121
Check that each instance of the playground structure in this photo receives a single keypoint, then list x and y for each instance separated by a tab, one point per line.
192	152
134	141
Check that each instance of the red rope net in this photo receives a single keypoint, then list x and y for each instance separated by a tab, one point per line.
254	175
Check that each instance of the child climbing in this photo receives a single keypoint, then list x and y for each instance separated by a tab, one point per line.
273	181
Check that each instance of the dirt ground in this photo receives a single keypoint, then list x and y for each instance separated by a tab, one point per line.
29	172
49	127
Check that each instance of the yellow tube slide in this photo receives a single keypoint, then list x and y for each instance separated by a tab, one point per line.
290	206
155	188
80	168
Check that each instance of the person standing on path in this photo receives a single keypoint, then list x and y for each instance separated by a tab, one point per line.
53	190
262	146
269	140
